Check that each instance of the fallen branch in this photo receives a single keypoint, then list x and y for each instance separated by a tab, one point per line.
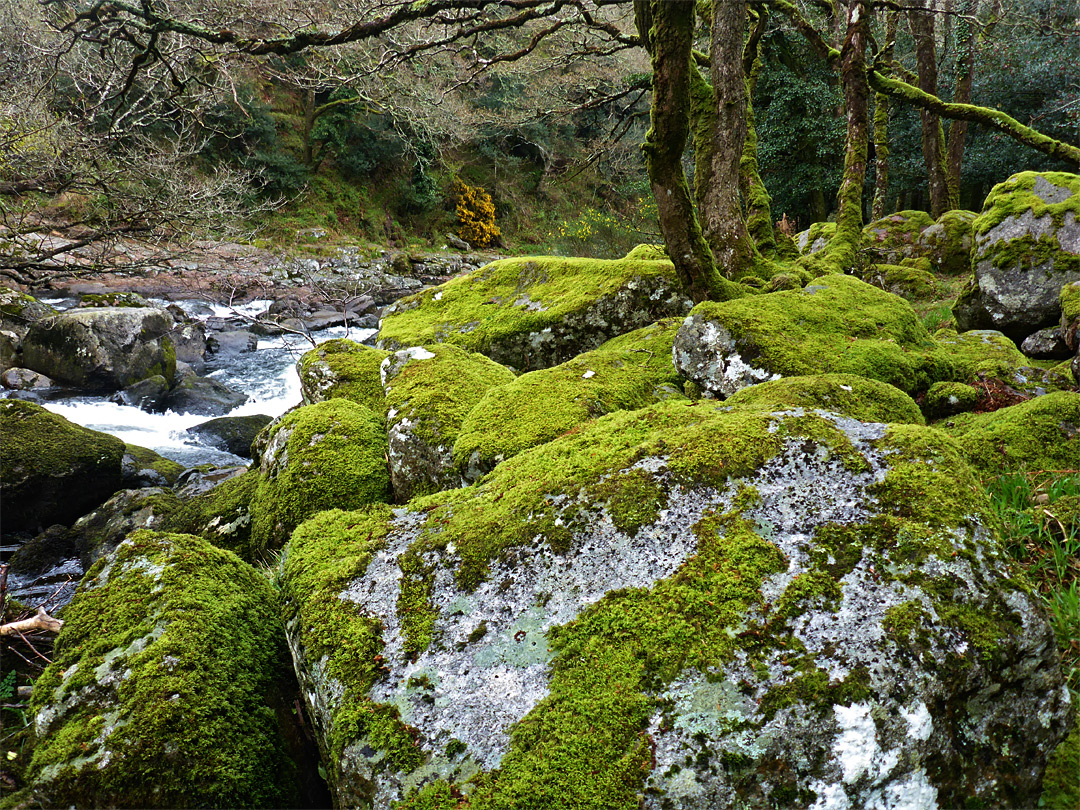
39	621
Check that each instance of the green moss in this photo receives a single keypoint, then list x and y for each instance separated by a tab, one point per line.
838	324
814	689
1017	195
649	253
146	459
222	516
438	795
983	354
191	722
911	283
323	456
114	299
1061	785
896	236
904	619
819	230
1069	299
948	243
1040	434
847	394
512	298
626	373
437	393
342	368
947	398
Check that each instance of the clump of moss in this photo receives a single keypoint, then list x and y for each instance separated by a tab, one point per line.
1061	784
837	324
949	398
815	238
857	397
984	354
1040	434
323	456
342	368
948	243
222	516
536	312
626	373
114	299
164	684
911	283
896	236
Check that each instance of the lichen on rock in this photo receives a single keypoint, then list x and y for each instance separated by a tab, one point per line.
685	605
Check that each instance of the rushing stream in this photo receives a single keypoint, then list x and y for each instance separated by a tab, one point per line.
268	376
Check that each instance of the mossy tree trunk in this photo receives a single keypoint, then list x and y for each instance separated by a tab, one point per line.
843	247
759	219
667	30
921	23
965	74
881	129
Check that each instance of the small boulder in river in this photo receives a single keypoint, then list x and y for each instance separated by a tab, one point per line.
102	349
1027	246
234	434
52	470
204	396
232	342
146	395
145	468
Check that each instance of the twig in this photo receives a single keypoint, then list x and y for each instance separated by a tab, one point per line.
39	621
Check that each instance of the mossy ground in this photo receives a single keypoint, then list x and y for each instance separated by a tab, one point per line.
342	368
334	457
625	373
193	724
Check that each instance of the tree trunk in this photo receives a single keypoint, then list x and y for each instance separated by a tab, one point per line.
965	73
721	212
842	249
921	22
881	128
667	29
759	220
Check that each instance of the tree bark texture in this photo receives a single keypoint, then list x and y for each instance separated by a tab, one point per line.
881	129
667	28
921	23
965	73
759	219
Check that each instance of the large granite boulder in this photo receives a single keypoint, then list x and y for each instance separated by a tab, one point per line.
948	243
530	313
321	456
102	349
204	396
342	368
836	324
689	605
625	373
1027	245
166	687
52	470
429	393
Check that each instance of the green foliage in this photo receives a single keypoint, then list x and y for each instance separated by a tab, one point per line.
603	234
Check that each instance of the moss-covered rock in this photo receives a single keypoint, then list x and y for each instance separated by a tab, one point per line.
1027	245
221	515
1069	301
948	243
815	238
1040	434
342	368
628	372
687	605
102	349
144	468
912	283
846	394
895	237
164	685
52	470
328	455
531	313
429	393
112	299
1061	787
837	324
949	398
19	311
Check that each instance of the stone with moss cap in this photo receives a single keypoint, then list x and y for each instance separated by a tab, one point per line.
19	311
837	324
896	236
950	398
52	470
321	456
948	243
1040	434
1027	245
815	238
342	368
429	393
986	354
911	283
847	394
687	605
531	313
1069	301
222	515
166	685
625	373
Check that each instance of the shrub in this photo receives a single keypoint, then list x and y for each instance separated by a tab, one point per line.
476	214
